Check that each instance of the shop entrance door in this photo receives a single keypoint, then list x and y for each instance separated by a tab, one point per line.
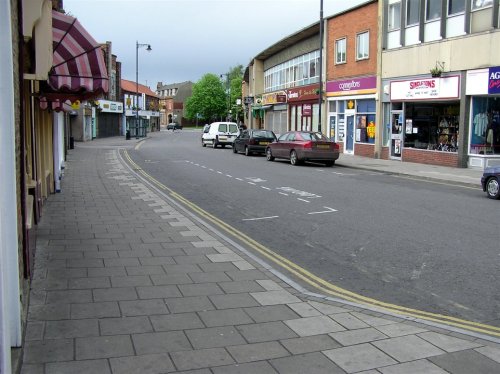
349	136
396	134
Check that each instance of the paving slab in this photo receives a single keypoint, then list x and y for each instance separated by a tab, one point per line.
257	351
313	325
160	342
310	363
261	332
80	367
215	337
359	357
466	362
202	358
145	364
262	367
408	348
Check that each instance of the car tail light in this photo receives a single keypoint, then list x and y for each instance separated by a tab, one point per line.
308	144
336	146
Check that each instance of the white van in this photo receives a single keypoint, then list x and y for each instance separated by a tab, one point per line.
220	133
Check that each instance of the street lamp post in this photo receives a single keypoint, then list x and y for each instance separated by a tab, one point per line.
320	63
228	92
137	46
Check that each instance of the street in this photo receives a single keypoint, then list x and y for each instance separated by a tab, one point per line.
421	245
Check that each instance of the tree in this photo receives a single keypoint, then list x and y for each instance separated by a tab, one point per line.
208	100
235	76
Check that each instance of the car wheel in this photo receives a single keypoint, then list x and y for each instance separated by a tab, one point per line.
247	151
214	144
234	149
493	188
329	163
294	159
203	144
269	155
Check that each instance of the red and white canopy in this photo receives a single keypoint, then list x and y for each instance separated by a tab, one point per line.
78	70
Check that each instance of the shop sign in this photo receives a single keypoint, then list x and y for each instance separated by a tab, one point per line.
494	80
306	110
426	89
248	100
107	106
303	93
354	86
274	98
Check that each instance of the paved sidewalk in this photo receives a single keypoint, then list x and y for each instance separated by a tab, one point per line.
126	282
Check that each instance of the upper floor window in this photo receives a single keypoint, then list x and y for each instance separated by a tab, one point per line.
456	6
362	45
340	51
432	10
479	4
394	17
412	12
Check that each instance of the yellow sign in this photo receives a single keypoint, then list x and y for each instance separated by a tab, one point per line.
350	104
370	130
75	105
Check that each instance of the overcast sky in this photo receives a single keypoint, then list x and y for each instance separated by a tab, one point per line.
190	38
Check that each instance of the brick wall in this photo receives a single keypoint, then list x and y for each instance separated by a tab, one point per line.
348	25
364	150
423	156
384	153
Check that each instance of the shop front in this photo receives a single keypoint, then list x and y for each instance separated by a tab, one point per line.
483	89
275	118
351	114
109	115
303	107
423	120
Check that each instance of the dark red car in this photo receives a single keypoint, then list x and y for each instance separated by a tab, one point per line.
299	146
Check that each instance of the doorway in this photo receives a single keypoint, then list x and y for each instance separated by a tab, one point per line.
396	134
349	136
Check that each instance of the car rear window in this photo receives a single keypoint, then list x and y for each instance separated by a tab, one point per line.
222	127
233	128
314	136
263	134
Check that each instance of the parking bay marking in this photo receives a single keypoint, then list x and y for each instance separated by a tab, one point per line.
260	218
328	210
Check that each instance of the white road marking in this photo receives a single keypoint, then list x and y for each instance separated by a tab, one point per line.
329	210
211	169
307	201
258	219
252	183
282	193
241	180
219	172
266	188
229	176
204	167
298	192
256	180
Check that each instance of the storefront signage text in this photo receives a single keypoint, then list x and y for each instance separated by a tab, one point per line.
425	89
361	85
303	93
494	80
274	98
111	106
306	110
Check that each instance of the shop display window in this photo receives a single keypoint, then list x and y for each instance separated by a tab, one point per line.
365	121
485	126
431	126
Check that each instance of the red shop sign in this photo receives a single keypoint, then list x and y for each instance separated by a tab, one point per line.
306	110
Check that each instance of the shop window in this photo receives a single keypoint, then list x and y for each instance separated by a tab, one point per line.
365	121
362	45
456	6
432	10
480	4
485	126
340	51
412	12
432	127
394	17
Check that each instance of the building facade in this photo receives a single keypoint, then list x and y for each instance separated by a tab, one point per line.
439	73
142	109
351	87
173	102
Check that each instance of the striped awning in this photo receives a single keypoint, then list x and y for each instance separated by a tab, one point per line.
78	70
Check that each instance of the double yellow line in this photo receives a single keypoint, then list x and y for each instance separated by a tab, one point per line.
313	280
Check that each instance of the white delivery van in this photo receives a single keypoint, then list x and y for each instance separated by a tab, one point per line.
220	133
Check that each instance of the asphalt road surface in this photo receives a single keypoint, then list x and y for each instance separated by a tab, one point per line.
428	246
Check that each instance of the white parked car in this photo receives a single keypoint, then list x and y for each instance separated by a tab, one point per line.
220	133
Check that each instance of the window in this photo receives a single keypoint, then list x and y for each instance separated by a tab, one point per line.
340	51
362	45
412	12
456	6
432	10
394	17
479	4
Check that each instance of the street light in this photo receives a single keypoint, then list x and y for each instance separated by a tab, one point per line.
137	46
320	63
228	92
